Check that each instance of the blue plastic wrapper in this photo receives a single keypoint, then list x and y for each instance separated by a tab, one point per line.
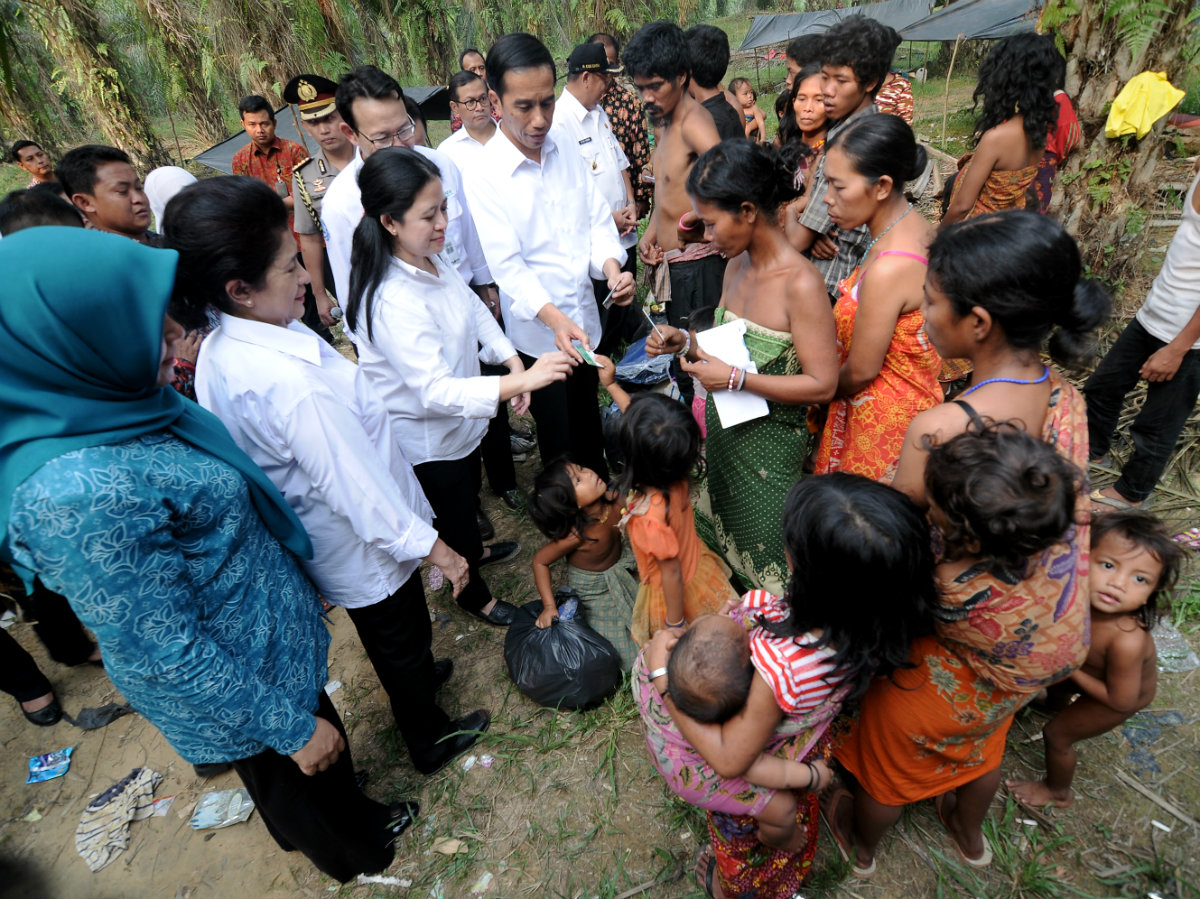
49	766
636	367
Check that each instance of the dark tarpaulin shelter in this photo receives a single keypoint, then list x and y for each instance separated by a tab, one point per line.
434	101
781	28
975	20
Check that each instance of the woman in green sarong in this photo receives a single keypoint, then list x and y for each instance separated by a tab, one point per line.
736	189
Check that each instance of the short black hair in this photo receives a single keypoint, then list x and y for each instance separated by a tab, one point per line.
31	208
76	171
659	48
415	112
254	103
709	49
460	80
603	37
367	83
463	56
514	52
863	44
709	671
21	145
805	49
1145	531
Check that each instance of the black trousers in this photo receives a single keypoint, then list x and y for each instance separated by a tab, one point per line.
694	284
57	626
325	815
620	322
20	676
567	414
495	448
398	639
1156	429
452	489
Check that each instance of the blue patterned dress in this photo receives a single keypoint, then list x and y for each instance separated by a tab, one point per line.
207	624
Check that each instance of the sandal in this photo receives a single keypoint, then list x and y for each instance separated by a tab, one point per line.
710	870
830	803
1114	502
980	861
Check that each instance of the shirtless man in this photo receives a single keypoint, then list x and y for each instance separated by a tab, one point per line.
659	61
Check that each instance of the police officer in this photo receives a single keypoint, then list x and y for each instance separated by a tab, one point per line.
331	151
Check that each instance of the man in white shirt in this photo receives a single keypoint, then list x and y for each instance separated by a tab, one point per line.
546	232
469	101
580	121
371	104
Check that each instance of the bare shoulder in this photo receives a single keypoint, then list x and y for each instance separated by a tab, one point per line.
941	422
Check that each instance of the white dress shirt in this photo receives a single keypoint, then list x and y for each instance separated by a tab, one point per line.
463	148
312	422
422	356
591	132
342	210
546	232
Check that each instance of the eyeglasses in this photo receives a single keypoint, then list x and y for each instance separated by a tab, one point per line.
389	140
474	104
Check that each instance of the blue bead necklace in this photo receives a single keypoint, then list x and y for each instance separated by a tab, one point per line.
1045	375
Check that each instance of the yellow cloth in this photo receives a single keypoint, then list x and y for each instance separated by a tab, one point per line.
1143	101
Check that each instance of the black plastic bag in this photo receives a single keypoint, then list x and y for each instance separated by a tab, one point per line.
568	665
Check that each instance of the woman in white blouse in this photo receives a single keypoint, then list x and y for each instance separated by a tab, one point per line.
310	420
421	333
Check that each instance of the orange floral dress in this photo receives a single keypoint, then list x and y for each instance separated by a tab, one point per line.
864	433
662	526
999	639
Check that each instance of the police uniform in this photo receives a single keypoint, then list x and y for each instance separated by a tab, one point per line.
314	98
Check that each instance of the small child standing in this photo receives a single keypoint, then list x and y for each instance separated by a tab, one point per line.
682	578
1134	559
576	509
756	119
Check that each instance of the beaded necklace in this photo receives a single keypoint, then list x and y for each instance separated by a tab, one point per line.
887	229
1045	375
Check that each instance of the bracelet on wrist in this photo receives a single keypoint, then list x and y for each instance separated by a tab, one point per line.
733	373
687	344
681	623
741	380
657	673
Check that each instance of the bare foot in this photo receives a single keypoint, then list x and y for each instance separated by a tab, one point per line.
1037	794
36	705
707	875
837	808
972	848
1106	499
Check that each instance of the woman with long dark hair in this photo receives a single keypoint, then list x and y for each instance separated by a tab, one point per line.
421	334
1016	87
310	420
736	189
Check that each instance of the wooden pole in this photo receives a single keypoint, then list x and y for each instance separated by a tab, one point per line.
946	97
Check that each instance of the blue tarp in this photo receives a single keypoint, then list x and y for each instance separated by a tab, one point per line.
976	20
779	29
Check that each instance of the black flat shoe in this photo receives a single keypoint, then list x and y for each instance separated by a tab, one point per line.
502	614
514	499
468	729
442	669
501	551
47	716
486	531
401	816
212	769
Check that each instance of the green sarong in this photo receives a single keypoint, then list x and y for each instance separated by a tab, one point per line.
751	468
608	598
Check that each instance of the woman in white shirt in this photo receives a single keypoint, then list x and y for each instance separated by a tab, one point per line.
310	420
421	333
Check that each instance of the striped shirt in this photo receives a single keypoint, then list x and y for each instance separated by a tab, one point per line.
801	676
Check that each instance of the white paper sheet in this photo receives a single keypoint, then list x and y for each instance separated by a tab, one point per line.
728	343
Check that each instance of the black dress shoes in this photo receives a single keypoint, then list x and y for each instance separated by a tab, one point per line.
502	614
401	816
501	551
486	531
47	716
442	669
467	729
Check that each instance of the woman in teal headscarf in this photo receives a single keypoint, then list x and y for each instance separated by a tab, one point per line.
169	543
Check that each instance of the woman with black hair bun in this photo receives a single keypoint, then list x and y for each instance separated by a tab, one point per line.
736	189
1016	85
801	136
889	369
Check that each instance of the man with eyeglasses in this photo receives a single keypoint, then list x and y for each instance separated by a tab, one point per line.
469	101
371	104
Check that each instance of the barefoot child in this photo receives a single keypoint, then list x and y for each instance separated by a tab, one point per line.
844	536
682	578
580	514
756	119
1134	559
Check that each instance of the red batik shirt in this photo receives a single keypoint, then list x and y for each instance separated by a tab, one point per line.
274	165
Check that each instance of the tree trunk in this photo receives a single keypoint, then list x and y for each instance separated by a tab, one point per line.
1104	185
73	28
